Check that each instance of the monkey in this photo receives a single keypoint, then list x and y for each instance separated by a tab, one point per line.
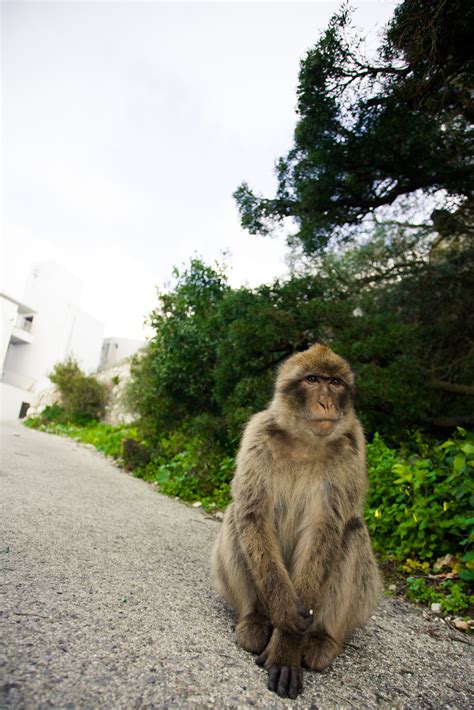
293	556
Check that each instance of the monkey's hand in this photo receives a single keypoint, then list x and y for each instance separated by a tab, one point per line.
290	616
282	660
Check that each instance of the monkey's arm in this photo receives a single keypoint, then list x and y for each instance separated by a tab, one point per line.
260	547
321	544
315	555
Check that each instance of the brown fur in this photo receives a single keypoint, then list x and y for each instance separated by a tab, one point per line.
294	538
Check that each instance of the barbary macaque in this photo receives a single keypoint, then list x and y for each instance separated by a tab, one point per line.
293	556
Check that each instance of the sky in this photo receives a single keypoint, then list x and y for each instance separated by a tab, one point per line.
127	126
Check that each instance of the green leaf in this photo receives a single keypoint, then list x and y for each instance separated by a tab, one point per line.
399	468
459	462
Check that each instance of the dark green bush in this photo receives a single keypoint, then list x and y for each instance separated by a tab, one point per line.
452	596
135	454
421	496
83	398
191	465
53	413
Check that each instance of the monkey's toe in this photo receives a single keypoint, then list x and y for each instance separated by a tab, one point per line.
253	633
286	681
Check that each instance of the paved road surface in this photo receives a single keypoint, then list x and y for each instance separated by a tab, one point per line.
107	603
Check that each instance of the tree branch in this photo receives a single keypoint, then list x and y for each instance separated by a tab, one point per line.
452	387
451	422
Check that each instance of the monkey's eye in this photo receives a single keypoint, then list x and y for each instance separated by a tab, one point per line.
335	381
312	379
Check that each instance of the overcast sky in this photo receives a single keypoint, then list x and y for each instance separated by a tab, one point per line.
126	126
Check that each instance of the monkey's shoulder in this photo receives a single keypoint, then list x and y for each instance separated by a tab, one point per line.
255	453
259	431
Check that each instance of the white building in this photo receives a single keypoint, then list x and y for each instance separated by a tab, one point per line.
37	336
115	350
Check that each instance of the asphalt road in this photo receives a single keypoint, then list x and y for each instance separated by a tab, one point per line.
107	603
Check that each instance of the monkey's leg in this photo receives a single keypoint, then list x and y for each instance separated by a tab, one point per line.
282	659
346	601
253	631
237	586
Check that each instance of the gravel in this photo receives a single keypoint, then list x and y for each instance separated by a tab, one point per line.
107	603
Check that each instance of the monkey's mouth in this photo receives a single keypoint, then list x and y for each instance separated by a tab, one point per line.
326	422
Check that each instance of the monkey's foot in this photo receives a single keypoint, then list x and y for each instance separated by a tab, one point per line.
282	660
319	652
287	682
253	632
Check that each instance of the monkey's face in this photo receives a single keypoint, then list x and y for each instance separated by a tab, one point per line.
318	387
326	400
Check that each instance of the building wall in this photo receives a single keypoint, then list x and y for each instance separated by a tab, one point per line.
8	314
59	329
11	399
114	350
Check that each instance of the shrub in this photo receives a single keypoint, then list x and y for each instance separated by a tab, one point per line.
53	413
450	594
83	398
135	454
421	496
191	465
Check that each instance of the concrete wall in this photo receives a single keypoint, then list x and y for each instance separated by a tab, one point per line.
60	329
8	315
115	350
11	399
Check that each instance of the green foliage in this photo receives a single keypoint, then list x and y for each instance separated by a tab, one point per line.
83	398
135	454
181	477
173	379
189	465
421	496
53	413
419	507
104	437
48	418
450	594
372	130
